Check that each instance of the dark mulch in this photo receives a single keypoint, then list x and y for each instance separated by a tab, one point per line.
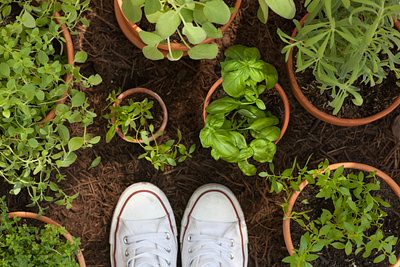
183	86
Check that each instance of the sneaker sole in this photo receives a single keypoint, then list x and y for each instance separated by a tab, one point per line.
235	203
128	192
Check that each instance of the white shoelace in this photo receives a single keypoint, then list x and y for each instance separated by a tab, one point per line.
210	250
149	250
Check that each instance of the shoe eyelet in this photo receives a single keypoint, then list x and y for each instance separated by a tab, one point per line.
126	253
189	238
231	256
232	243
190	250
125	240
168	236
168	249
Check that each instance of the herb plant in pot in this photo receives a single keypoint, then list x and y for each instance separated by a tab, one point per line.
35	79
192	22
350	47
352	220
26	244
133	121
237	126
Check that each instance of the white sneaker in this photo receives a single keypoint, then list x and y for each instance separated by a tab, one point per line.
143	229
213	230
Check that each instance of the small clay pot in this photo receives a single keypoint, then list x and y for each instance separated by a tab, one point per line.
153	95
347	165
70	54
277	87
131	30
307	105
31	215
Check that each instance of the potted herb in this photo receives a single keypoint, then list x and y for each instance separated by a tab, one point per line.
350	46
354	221
193	22
28	245
133	123
237	126
284	8
34	142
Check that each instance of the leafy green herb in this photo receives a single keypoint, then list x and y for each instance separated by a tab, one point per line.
23	245
31	83
284	8
354	225
234	119
135	118
193	21
344	42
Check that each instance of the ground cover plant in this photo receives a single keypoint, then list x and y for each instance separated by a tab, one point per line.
197	17
32	70
345	42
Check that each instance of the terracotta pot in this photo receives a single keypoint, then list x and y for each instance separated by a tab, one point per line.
70	54
320	114
277	87
30	215
347	165
153	95
131	30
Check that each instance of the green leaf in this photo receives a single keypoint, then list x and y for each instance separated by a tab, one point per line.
379	258
150	38
247	168
63	132
194	34
217	11
223	105
4	69
152	52
33	143
264	150
95	162
78	99
348	248
211	30
81	56
175	55
28	20
42	57
203	51
262	12
75	143
132	12
167	24
71	157
284	8
153	10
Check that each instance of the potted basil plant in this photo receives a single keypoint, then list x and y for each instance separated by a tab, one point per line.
350	46
36	79
194	23
133	121
238	126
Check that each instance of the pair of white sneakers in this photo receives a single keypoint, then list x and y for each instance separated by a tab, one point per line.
144	234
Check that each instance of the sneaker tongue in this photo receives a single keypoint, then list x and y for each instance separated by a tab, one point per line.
144	227
220	229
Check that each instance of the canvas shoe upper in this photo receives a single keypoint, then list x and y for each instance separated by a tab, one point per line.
213	230
143	229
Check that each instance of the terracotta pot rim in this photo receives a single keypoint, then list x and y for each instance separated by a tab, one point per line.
348	165
70	54
131	30
277	87
31	215
153	95
307	105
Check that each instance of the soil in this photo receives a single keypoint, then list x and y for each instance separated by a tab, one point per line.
183	85
335	257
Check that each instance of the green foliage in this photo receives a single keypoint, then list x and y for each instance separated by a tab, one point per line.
135	118
192	20
234	119
346	41
354	225
284	8
23	245
31	83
